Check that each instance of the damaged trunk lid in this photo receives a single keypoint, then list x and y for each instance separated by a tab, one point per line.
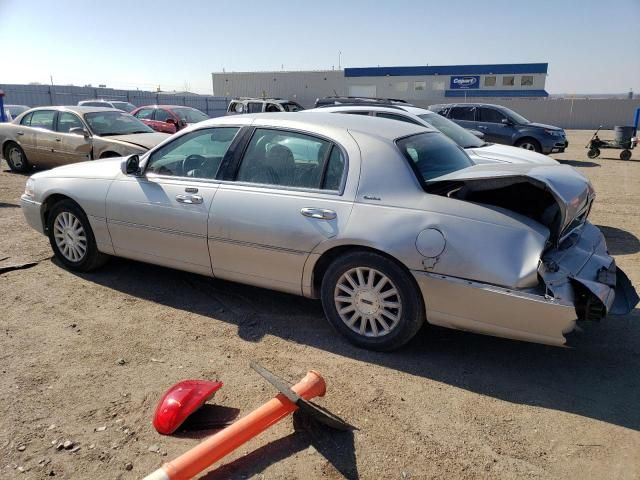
556	196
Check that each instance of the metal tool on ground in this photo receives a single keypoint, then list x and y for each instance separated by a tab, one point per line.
227	440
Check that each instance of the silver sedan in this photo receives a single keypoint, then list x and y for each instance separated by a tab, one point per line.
390	224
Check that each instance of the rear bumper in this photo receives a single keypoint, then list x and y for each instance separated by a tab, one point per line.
31	212
577	279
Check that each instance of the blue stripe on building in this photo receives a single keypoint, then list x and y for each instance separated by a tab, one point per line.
496	69
467	93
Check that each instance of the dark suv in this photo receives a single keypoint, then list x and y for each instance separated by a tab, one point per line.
258	105
502	125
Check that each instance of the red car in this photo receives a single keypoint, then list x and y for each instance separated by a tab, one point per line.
168	118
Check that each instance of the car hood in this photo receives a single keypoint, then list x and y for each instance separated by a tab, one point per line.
508	154
107	168
557	196
542	125
144	140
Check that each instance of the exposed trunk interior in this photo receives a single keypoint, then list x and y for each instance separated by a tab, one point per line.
520	195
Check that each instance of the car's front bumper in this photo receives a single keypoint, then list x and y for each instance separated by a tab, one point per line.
556	145
542	315
31	211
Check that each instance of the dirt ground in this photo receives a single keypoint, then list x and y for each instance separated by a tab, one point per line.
86	357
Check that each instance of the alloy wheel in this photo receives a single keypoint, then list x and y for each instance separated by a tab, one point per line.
70	236
15	155
368	302
528	146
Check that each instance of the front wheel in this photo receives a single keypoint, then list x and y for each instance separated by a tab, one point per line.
529	144
72	239
16	158
625	155
372	301
593	153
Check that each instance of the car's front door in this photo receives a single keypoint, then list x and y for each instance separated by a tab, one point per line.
285	197
161	216
145	115
70	147
491	122
26	137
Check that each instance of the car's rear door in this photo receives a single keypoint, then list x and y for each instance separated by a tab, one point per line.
284	197
70	147
42	125
161	216
145	115
464	115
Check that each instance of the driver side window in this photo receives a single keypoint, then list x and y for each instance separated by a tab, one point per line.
197	154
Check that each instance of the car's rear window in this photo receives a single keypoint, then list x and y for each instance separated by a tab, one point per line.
432	155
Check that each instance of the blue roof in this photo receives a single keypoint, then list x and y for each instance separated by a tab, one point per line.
500	68
468	93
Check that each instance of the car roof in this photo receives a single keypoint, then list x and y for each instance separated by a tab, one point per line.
468	104
264	100
325	121
373	108
77	109
166	106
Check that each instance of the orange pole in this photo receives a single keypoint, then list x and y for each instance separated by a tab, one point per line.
225	441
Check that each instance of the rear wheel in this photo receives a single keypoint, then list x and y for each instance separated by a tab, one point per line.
625	155
372	301
16	158
529	144
593	153
72	239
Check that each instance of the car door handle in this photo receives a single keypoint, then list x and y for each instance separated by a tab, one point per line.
189	199
320	213
58	139
20	133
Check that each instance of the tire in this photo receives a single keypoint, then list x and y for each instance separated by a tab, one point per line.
72	239
593	153
16	158
371	328
529	144
625	155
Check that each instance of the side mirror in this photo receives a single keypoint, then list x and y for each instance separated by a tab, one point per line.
79	131
131	165
507	121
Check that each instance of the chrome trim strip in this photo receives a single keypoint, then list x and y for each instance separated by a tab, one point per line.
158	229
258	245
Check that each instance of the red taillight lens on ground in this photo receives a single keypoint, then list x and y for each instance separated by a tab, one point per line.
180	401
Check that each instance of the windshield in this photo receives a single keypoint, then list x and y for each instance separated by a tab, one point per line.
15	110
455	132
115	123
516	117
433	155
126	106
190	115
292	107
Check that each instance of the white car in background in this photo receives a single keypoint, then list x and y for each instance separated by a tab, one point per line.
479	150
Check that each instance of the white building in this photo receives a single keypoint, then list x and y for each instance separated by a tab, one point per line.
418	84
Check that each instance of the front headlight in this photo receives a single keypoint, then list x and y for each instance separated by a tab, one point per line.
29	188
554	133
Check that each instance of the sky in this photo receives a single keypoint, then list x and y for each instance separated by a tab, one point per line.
591	46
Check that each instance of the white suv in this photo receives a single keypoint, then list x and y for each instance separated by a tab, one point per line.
120	105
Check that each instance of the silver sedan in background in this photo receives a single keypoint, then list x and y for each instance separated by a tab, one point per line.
53	136
389	224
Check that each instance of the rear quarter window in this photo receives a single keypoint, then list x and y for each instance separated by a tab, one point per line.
432	155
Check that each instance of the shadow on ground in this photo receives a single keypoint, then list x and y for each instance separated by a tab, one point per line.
597	377
337	447
620	242
579	163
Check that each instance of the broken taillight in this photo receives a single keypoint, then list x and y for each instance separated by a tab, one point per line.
180	401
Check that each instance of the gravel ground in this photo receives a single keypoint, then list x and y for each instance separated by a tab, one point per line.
86	357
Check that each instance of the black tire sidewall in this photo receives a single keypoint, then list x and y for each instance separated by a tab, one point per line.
625	153
413	311
92	256
593	153
25	162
